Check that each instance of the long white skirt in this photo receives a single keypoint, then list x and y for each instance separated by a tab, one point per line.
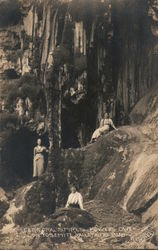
38	165
99	131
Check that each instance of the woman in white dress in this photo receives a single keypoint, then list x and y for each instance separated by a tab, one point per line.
104	127
38	162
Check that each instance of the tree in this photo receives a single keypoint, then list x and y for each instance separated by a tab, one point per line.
52	88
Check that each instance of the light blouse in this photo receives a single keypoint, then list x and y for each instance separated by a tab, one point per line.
39	150
75	198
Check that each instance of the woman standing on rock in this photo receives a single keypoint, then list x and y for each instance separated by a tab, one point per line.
105	124
38	162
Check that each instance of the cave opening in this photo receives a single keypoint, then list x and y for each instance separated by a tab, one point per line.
19	157
78	124
69	135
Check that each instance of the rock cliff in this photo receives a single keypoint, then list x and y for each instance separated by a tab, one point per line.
121	167
104	55
106	52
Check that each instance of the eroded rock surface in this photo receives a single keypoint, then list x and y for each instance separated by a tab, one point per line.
3	202
31	204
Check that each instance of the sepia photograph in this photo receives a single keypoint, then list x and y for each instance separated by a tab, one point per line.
78	124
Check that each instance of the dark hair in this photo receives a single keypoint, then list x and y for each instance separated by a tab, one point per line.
106	113
39	139
73	186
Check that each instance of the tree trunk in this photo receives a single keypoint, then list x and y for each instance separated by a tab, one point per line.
53	100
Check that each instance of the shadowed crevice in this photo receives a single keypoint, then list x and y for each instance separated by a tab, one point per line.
147	205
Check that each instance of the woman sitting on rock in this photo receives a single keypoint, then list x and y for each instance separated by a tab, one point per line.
104	127
38	162
75	199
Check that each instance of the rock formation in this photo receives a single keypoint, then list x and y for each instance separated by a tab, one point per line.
63	64
106	52
121	167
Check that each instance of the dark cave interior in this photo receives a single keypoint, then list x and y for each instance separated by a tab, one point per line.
18	157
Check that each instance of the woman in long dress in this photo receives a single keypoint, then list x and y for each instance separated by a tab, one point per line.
38	162
104	127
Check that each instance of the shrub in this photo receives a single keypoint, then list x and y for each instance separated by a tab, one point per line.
26	86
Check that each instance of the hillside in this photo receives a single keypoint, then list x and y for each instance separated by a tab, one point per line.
118	176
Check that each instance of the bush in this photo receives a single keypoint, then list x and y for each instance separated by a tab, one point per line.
27	86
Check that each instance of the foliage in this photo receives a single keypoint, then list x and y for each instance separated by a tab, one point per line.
10	13
27	86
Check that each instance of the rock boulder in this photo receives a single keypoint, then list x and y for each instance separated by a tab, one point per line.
74	217
34	201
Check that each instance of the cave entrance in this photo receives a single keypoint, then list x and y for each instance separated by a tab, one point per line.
19	157
69	135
